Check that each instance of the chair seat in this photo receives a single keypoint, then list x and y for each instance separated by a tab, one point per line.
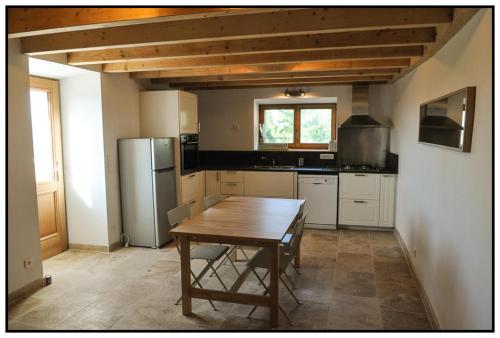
262	259
209	251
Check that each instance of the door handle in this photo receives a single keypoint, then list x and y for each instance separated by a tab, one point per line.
360	202
191	176
316	183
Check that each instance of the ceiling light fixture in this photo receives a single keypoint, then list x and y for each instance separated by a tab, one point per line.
294	93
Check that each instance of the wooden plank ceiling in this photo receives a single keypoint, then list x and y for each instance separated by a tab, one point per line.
195	48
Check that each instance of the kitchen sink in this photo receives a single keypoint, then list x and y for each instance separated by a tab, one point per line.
259	166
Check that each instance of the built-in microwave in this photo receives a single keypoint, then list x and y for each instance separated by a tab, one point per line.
189	153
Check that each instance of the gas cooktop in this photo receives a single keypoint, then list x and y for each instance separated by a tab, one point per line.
360	168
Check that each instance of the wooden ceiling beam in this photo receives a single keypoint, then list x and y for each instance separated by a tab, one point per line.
299	82
273	68
372	38
291	75
281	23
31	21
444	32
335	83
267	58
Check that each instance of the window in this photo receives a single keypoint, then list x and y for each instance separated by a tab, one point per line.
307	126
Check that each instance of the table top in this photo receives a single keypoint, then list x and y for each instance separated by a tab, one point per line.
246	218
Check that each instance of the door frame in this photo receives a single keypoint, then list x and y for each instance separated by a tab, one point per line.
48	243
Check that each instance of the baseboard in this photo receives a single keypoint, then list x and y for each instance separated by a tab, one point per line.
27	290
115	245
89	247
363	227
431	314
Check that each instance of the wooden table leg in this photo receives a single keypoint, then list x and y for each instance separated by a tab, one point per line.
185	275
274	286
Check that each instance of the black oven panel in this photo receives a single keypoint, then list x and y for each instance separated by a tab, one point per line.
189	153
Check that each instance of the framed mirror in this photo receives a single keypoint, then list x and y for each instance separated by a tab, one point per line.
448	120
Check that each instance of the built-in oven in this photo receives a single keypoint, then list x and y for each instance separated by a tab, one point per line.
189	153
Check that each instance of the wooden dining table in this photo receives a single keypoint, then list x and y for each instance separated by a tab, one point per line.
247	221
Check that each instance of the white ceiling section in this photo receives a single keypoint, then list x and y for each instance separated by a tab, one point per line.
53	70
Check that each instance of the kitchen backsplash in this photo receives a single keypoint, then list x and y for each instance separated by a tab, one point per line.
235	158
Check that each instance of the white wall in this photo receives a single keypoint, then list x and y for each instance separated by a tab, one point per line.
83	157
444	198
22	221
219	109
120	107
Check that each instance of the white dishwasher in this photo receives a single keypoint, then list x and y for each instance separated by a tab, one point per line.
321	205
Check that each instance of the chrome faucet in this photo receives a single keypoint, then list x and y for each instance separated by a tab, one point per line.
273	161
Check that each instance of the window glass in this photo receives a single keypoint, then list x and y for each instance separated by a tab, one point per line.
42	135
315	125
278	126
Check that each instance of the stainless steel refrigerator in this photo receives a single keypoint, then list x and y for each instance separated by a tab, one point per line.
147	185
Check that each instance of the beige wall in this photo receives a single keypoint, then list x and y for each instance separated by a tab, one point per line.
444	197
219	110
120	108
22	221
83	158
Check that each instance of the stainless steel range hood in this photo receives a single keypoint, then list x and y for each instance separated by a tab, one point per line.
360	117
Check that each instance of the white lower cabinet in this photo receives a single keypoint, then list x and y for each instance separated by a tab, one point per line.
212	182
367	199
193	186
232	188
358	212
387	200
196	206
270	184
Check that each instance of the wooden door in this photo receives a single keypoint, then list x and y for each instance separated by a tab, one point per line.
46	126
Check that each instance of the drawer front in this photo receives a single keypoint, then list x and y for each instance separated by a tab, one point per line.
193	186
231	188
269	184
358	212
359	186
232	176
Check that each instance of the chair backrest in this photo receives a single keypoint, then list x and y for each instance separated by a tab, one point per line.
212	200
301	208
177	215
297	234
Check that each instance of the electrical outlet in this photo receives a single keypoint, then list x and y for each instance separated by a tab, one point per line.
28	262
326	156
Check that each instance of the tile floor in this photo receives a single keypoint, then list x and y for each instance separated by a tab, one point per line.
351	280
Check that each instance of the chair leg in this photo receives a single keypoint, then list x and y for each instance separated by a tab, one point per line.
265	275
290	291
297	271
225	260
217	275
197	281
289	279
232	264
243	252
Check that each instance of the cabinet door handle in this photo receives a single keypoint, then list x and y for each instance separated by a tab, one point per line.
192	202
217	176
359	174
191	176
199	127
231	184
388	175
316	183
360	202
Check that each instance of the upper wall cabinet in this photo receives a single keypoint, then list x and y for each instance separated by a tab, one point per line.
188	108
168	113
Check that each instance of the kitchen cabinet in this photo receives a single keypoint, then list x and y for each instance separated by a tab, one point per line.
367	199
196	206
212	182
387	200
232	188
231	176
193	186
169	113
269	184
188	110
360	186
358	212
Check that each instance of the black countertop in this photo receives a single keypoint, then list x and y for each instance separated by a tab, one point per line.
326	170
